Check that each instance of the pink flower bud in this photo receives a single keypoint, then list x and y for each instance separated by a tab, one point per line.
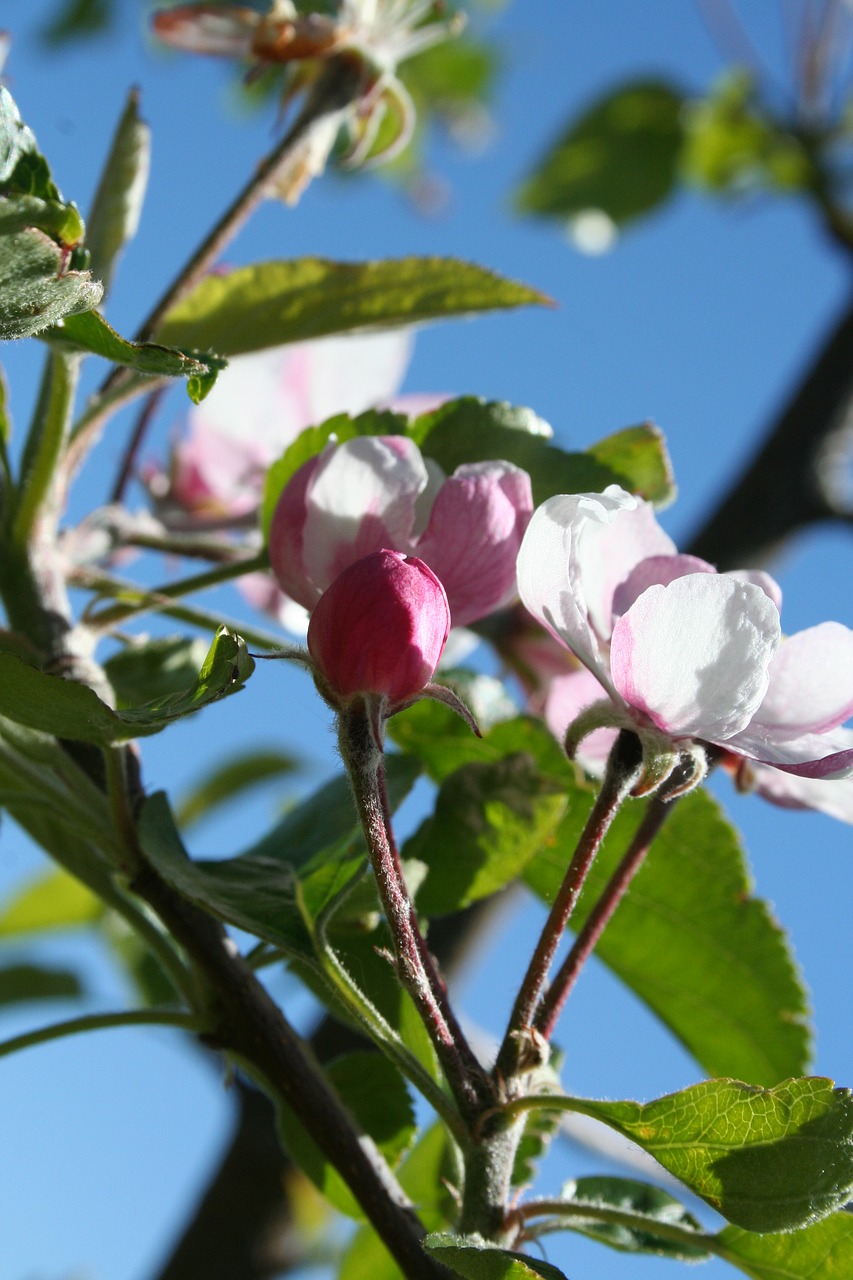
380	629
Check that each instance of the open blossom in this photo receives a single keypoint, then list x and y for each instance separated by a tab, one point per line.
258	407
379	630
378	491
683	653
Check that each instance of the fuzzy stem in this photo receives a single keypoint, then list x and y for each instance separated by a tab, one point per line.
623	768
416	966
601	914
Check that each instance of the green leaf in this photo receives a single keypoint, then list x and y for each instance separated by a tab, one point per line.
90	332
114	216
298	868
426	1176
34	288
489	821
822	1251
20	983
631	1216
691	940
232	778
471	430
766	1159
619	159
259	896
148	669
55	900
313	440
68	710
271	303
444	743
733	147
375	1095
477	1259
39	233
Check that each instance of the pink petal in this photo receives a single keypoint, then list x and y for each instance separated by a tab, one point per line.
287	536
608	552
568	695
694	656
830	796
759	578
474	532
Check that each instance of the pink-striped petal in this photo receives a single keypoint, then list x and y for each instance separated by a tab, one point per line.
474	532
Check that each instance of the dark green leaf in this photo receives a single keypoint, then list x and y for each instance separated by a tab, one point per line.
630	1216
257	895
766	1159
443	742
272	303
55	900
23	982
74	711
475	1258
374	1093
115	211
489	821
90	332
233	778
76	18
471	430
822	1251
691	940
620	158
313	440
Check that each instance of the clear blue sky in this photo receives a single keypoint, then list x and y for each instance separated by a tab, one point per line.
700	319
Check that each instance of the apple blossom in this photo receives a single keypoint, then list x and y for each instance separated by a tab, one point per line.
378	491
379	630
260	404
684	654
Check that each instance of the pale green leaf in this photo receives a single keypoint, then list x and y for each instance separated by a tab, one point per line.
822	1251
54	900
477	1259
114	215
271	303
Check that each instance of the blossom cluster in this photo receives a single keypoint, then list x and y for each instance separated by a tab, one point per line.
385	553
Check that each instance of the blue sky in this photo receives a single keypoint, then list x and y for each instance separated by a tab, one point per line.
700	319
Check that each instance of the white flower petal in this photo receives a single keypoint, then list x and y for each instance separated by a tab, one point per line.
811	683
694	656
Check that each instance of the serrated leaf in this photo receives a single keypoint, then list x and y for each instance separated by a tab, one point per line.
476	1259
90	332
766	1159
628	1215
472	430
375	1094
691	940
620	158
489	821
313	440
822	1251
233	778
69	710
55	900
271	303
116	208
20	983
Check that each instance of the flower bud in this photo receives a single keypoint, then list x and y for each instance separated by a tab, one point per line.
379	629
